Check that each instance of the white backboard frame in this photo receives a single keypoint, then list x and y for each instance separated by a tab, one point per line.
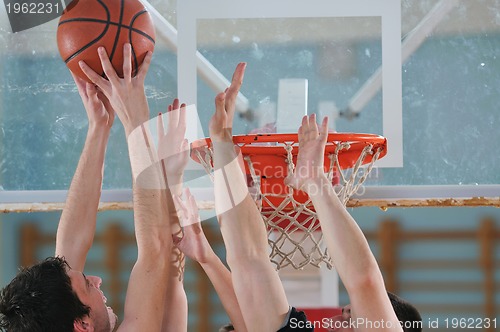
190	11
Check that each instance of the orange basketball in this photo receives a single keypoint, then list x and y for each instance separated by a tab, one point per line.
88	24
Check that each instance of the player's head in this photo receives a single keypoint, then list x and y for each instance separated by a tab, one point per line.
227	328
50	296
406	313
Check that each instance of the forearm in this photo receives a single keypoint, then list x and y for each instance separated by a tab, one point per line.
151	231
173	188
220	277
78	219
176	311
173	182
346	243
228	171
150	214
352	258
241	223
156	218
176	307
176	301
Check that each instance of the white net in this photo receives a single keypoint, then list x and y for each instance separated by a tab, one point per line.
294	232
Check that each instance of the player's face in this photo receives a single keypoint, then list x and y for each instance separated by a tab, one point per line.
341	323
89	292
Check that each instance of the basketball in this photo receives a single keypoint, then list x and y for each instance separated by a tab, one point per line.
88	24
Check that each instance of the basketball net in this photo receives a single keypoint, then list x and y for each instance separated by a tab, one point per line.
293	228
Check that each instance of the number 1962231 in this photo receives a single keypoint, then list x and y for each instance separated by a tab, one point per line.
470	323
33	8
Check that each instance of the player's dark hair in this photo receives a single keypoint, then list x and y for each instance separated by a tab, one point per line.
40	299
227	328
407	314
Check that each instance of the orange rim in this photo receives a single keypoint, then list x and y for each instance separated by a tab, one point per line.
269	162
253	145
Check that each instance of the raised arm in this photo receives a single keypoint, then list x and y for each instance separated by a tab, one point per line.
76	229
147	285
346	243
195	245
255	281
173	151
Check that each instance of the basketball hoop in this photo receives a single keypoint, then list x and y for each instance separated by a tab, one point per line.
294	232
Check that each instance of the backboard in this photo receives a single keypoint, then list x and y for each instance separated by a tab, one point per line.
431	90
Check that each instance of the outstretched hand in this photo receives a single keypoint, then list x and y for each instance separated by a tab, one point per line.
193	243
126	94
173	147
99	111
221	124
310	159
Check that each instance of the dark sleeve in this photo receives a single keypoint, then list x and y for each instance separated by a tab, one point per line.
297	323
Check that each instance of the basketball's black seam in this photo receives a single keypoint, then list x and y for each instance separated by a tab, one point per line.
95	20
117	36
96	39
136	62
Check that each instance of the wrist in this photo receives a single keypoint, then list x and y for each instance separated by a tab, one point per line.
99	132
210	260
97	140
223	144
135	124
175	179
138	114
130	128
174	184
146	172
316	184
225	151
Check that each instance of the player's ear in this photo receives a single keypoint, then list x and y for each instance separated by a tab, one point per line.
83	325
